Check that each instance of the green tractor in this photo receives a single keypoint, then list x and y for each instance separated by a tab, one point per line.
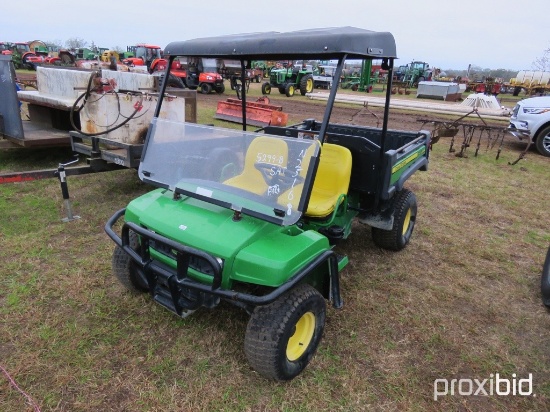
252	218
288	79
417	72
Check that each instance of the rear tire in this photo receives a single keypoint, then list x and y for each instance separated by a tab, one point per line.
404	218
282	337
173	81
126	271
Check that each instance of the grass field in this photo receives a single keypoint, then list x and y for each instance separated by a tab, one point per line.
462	301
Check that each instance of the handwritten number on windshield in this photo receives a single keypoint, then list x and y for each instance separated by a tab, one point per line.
270	158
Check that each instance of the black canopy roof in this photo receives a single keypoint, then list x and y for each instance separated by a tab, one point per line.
324	43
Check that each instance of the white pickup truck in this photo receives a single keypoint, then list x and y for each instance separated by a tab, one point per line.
531	120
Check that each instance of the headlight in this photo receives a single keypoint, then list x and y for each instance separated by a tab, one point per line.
536	110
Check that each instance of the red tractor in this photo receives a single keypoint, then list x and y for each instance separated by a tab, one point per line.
5	49
195	74
22	55
145	55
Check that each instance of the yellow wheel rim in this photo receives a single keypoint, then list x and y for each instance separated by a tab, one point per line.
407	221
309	86
301	339
291	90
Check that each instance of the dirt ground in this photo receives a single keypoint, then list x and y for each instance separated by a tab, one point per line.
299	108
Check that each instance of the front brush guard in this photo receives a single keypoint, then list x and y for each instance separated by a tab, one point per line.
178	278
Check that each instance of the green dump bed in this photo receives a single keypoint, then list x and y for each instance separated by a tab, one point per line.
405	153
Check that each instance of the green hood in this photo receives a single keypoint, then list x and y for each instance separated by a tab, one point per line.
253	251
195	223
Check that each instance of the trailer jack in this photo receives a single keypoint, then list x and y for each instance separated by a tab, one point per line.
62	176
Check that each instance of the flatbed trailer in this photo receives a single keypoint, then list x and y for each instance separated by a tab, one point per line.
52	117
16	132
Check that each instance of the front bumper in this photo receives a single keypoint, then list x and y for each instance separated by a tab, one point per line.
177	279
519	130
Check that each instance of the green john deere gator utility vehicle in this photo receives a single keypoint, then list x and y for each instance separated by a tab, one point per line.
251	218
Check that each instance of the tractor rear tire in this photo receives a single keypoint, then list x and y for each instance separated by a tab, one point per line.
306	84
282	337
173	81
289	90
404	218
126	271
266	88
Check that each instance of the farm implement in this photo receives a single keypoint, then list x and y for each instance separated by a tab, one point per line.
473	135
258	113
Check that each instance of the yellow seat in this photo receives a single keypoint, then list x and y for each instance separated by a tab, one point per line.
266	150
331	181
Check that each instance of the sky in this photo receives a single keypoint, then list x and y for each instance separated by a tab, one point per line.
493	34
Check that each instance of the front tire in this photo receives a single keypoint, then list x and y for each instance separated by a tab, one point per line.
545	280
404	218
282	337
543	142
289	90
126	271
206	88
266	88
306	84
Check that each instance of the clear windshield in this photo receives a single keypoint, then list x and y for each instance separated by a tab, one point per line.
209	65
148	53
256	174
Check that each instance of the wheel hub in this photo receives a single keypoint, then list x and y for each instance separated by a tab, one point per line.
407	222
302	336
